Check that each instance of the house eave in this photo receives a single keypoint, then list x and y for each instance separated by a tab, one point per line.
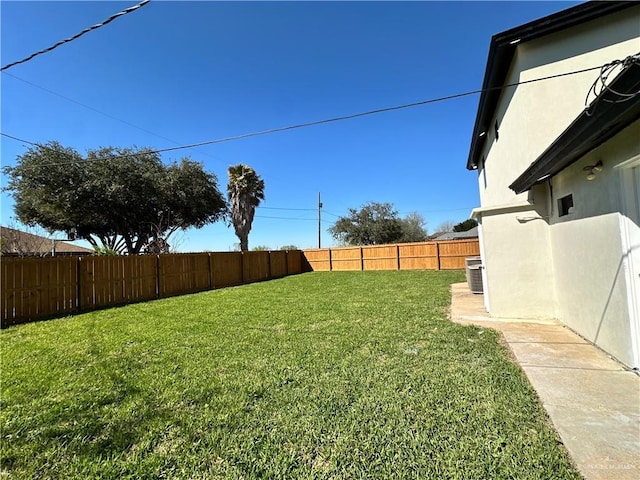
502	49
605	117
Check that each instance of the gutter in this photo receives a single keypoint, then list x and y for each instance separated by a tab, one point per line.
502	49
611	112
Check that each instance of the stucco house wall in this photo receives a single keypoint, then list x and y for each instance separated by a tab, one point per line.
539	264
531	116
515	261
588	248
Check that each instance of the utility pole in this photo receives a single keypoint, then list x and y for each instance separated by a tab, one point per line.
319	218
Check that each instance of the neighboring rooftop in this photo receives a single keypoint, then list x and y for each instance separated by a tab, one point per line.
473	233
18	243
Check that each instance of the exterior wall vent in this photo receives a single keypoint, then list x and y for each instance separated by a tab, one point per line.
565	205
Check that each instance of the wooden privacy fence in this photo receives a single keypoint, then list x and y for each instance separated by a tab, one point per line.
447	255
32	288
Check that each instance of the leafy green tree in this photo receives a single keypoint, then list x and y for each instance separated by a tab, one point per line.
466	225
413	228
261	248
374	224
118	199
245	191
104	251
289	247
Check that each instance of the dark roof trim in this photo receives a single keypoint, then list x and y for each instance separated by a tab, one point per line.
587	131
502	48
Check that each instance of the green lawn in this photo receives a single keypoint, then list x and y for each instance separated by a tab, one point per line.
323	375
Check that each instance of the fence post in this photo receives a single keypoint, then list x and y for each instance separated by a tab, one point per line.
330	261
438	255
158	276
361	260
269	265
78	278
398	255
242	266
124	278
210	271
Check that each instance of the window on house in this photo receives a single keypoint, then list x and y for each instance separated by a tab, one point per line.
564	205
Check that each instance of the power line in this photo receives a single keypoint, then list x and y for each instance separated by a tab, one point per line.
283	208
24	141
89	107
373	112
601	85
101	112
285	218
441	210
338	216
340	118
332	214
416	211
78	35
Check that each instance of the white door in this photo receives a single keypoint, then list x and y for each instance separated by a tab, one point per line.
631	244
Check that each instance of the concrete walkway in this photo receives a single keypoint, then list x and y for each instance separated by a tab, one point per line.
593	402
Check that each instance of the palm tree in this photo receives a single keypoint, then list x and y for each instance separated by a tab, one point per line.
245	191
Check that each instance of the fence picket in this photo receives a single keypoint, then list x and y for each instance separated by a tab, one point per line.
32	288
446	255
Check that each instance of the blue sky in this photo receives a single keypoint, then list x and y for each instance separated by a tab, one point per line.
175	73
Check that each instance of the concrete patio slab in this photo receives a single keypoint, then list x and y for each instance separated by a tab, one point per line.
518	332
592	400
562	355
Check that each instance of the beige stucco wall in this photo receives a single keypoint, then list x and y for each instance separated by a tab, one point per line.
537	264
516	259
532	116
589	257
590	282
603	194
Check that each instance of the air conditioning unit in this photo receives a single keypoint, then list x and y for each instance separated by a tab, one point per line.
474	274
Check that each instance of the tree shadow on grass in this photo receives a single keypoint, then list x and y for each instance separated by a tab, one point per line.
107	410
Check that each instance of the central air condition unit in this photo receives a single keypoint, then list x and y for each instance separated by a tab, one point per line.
474	274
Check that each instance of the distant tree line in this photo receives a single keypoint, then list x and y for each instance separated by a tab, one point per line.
466	225
378	223
126	200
